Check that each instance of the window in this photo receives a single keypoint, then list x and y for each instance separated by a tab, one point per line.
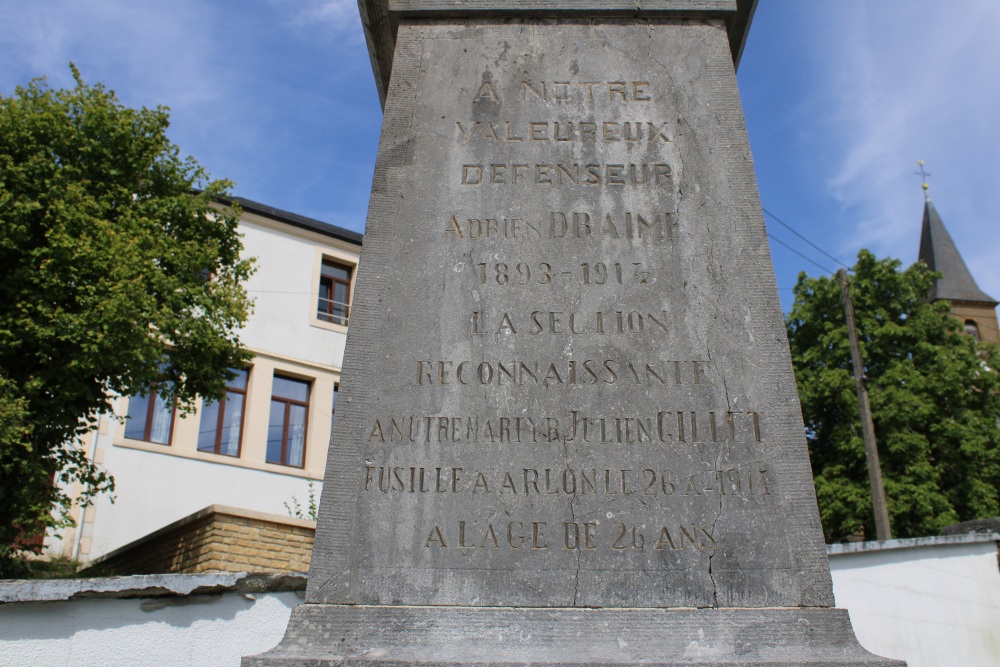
150	418
286	428
972	329
222	422
333	411
334	293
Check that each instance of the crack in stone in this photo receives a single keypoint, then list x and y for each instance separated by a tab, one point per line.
322	586
572	502
711	575
715	585
572	513
718	464
718	467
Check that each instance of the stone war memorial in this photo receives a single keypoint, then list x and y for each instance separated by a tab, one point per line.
568	431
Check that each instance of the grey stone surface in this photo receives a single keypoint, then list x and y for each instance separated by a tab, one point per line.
380	19
447	636
567	384
609	322
602	8
146	586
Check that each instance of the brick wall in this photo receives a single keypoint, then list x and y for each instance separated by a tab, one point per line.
216	539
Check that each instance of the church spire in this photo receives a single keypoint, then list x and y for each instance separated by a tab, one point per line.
938	251
923	177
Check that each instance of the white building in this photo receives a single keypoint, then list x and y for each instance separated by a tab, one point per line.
267	442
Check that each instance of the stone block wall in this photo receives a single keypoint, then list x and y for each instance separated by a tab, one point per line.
216	539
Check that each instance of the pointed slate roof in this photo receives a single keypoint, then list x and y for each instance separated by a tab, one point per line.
938	251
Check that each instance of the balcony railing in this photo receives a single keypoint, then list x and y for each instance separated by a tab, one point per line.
332	311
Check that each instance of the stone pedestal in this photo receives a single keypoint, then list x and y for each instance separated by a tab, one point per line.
322	635
568	431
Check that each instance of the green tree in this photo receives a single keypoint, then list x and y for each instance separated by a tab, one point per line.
117	274
934	395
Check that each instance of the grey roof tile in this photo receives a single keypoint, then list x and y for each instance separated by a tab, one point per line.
938	251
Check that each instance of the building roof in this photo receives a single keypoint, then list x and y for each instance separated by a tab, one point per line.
380	19
300	221
938	251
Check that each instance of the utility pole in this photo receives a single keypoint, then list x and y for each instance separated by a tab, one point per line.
882	529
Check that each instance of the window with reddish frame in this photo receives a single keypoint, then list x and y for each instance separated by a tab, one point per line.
286	429
334	303
221	428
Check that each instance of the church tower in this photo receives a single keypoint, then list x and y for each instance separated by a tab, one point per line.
971	305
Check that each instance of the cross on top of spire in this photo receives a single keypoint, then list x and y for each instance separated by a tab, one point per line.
923	177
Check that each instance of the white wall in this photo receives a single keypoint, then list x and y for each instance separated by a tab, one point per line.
934	602
154	490
197	631
283	290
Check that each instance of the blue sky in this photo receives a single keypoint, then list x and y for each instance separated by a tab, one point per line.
841	98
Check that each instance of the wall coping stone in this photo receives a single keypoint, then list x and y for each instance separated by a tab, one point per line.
910	543
24	591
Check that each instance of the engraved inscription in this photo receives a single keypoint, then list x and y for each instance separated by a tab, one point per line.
568	91
563	131
561	322
699	537
581	225
659	175
492	228
564	372
617	92
749	481
566	225
523	274
571	193
513	534
572	536
666	426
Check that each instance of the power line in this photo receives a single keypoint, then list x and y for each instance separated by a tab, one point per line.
789	228
811	261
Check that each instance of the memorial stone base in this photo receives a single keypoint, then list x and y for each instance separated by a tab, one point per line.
327	635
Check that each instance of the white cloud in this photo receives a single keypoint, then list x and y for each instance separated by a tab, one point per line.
337	18
155	51
913	80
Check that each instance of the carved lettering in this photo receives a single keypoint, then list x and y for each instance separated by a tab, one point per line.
666	426
601	227
564	131
588	536
541	322
591	91
489	228
658	175
521	372
749	481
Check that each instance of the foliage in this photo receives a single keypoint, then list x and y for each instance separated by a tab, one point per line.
15	565
933	393
60	567
311	510
116	275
